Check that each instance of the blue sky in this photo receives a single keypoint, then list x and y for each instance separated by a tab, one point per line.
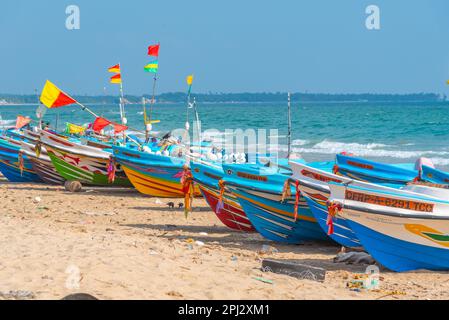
230	46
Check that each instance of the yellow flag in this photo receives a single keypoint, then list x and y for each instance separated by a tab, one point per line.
447	81
189	79
74	129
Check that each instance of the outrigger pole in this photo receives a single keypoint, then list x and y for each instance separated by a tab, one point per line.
289	129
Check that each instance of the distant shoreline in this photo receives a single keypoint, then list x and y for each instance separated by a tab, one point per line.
245	97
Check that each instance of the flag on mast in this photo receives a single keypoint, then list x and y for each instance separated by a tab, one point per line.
53	97
74	129
153	50
152	67
117	78
189	80
22	121
100	123
115	69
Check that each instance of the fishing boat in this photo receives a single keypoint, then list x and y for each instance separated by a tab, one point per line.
14	164
86	164
312	181
402	230
151	173
374	172
260	191
434	175
208	176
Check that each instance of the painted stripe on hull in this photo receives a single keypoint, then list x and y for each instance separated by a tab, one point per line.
275	220
46	171
72	172
342	233
231	215
316	199
153	186
399	255
13	174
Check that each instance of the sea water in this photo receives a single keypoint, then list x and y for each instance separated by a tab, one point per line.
382	131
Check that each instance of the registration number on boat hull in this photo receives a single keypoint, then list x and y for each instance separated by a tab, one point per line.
389	202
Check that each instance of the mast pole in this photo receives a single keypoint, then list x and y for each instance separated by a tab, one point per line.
289	130
197	119
38	105
148	124
187	125
122	98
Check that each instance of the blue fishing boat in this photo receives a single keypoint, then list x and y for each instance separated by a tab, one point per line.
402	230
434	175
313	181
374	172
260	191
15	165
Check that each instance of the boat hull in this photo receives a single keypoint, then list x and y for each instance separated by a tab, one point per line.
46	171
342	234
85	169
9	163
402	230
275	220
151	174
392	244
86	164
42	164
232	214
374	172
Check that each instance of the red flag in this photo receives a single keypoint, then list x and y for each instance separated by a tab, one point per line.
100	123
153	50
22	121
119	128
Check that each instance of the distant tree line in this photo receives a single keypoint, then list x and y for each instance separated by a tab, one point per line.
177	97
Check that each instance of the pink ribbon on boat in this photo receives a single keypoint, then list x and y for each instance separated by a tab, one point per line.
332	209
297	196
111	169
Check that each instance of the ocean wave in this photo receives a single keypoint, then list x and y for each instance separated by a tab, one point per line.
345	146
369	150
300	142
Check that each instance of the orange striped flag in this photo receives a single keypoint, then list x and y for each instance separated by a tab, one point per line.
115	69
116	79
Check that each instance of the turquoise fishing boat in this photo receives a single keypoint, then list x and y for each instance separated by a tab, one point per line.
153	174
434	175
374	172
260	191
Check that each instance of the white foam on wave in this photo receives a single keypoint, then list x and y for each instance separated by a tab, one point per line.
370	150
344	146
300	142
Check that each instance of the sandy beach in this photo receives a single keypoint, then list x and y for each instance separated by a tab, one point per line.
121	245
